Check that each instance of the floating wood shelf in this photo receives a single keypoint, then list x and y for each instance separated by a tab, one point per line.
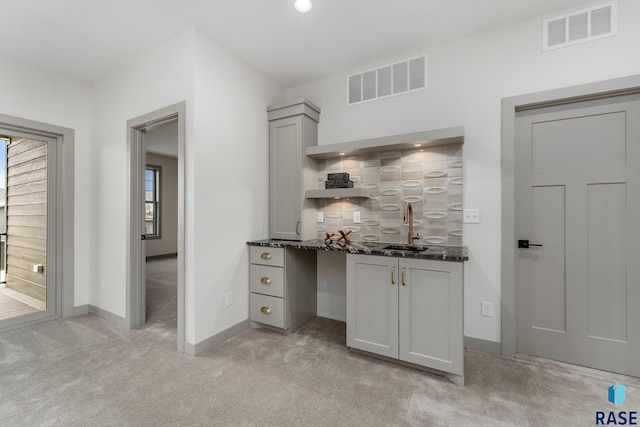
337	193
406	141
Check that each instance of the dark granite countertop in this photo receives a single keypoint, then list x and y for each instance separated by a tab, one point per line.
435	252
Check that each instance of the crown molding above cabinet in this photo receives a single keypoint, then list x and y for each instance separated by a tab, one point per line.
429	138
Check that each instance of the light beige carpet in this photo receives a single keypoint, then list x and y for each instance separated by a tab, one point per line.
89	372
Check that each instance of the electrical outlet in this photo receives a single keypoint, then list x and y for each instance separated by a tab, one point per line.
320	217
228	299
487	309
322	285
357	217
102	284
471	216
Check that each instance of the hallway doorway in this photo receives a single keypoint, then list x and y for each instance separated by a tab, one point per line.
162	291
142	208
161	222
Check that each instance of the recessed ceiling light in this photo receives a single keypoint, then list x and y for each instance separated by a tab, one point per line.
302	5
341	154
417	145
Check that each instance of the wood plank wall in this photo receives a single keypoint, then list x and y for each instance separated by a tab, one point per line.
27	216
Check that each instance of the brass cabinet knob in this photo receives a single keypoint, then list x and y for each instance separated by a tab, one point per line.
266	310
265	255
265	281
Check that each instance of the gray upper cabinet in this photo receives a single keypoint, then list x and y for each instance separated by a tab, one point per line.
292	128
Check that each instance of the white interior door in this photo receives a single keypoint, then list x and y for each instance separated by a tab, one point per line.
577	195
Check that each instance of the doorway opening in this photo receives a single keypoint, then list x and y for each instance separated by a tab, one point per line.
23	227
156	217
36	222
161	224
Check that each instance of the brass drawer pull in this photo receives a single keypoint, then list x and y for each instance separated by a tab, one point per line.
265	281
393	273
265	255
403	276
266	310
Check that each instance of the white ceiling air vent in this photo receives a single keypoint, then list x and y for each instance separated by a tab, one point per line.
394	79
584	25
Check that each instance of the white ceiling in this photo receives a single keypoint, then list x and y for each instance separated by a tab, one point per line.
88	39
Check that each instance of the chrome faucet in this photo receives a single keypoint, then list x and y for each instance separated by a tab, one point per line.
408	218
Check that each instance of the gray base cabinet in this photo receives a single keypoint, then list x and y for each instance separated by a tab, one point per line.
408	310
283	288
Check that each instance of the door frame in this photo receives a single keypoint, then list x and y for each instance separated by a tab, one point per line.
63	201
135	249
510	107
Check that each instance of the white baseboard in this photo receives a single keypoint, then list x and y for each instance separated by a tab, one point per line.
107	315
80	310
206	345
101	313
483	345
333	316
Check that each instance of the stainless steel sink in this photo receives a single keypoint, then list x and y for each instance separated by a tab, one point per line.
406	248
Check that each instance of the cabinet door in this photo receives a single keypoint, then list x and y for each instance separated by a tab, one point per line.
431	314
372	304
285	176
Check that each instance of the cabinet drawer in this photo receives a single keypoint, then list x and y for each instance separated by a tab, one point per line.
267	310
267	280
266	256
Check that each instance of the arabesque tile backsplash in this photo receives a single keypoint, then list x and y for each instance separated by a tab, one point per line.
429	178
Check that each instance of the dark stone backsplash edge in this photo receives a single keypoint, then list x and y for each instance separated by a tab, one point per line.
434	252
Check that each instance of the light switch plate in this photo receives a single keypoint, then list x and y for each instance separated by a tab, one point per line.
357	217
320	217
471	216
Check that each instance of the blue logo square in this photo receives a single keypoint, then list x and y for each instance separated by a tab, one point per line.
616	394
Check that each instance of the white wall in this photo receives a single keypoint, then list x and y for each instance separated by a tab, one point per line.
167	243
33	93
467	80
332	284
231	166
161	77
226	173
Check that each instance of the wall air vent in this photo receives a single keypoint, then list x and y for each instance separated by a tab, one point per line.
584	25
394	79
